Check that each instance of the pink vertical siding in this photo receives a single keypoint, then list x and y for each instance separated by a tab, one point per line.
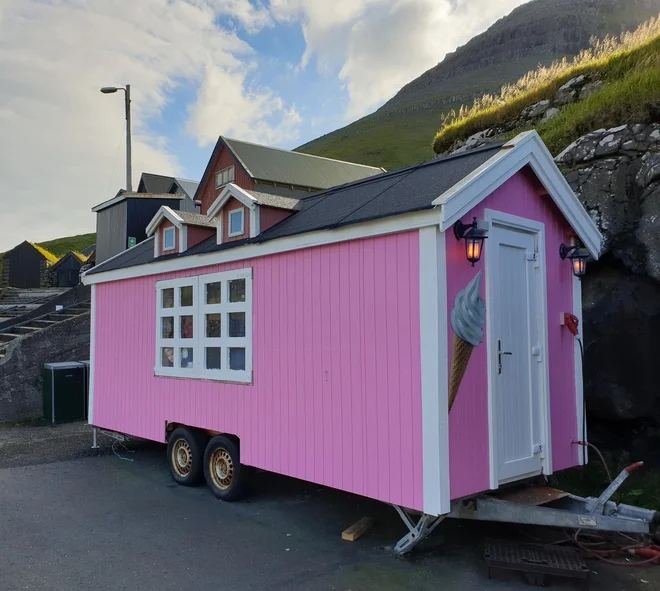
336	397
468	421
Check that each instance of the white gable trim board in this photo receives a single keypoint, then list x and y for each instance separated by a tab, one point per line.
526	149
231	190
164	213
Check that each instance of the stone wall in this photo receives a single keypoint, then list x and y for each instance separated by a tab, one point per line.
46	276
21	368
4	276
616	175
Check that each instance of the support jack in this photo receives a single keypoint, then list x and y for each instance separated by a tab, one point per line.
424	526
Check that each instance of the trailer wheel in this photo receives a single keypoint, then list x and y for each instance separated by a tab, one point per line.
222	468
185	452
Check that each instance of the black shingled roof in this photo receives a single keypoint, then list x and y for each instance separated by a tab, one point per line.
392	193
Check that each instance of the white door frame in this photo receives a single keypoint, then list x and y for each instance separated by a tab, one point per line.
538	228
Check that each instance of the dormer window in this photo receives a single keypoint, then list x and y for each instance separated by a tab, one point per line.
169	237
236	222
222	177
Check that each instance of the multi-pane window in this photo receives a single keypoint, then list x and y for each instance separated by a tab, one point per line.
204	326
222	177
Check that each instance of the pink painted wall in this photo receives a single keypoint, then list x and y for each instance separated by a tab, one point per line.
336	398
468	421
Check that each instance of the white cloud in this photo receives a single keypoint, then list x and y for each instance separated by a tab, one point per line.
61	141
225	102
380	45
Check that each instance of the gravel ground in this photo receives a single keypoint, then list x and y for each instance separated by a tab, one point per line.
74	518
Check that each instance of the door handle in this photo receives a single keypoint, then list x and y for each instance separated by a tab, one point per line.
499	356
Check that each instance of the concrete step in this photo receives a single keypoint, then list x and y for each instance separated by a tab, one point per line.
40	323
24	329
5	337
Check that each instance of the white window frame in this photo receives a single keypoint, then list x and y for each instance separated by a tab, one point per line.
240	210
199	342
171	231
224	176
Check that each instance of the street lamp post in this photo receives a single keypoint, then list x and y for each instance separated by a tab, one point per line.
127	100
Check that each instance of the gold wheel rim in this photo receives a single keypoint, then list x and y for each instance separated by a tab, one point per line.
221	469
182	458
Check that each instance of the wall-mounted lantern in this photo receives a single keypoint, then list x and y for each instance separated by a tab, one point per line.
578	257
474	239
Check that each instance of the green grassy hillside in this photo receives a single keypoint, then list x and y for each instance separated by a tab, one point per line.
60	246
537	33
630	69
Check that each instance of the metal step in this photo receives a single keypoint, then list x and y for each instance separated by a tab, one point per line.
536	560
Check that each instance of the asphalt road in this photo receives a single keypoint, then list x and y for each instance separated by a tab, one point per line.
101	522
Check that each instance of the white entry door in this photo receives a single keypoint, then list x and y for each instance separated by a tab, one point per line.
515	351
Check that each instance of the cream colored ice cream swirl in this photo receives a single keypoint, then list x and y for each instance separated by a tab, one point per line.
467	317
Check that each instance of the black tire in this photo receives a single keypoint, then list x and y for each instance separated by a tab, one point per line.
222	468
185	456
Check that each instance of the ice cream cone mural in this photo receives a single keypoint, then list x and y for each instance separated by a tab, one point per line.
467	320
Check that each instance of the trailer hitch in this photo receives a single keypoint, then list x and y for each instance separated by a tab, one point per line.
597	506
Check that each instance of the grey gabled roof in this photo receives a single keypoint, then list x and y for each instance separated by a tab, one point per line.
270	200
402	191
189	188
195	219
294	168
154	183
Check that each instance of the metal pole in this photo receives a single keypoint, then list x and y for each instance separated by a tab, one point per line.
127	93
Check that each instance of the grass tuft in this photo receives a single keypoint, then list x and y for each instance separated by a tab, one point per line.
621	62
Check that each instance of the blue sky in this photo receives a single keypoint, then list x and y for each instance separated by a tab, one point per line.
278	72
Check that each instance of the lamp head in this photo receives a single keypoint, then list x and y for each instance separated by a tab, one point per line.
109	89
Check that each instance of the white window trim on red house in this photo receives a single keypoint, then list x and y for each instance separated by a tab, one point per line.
167	213
231	213
232	190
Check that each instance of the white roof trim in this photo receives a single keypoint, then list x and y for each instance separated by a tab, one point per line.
230	190
525	149
164	213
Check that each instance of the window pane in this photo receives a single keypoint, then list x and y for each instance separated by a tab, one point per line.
237	290
237	324
213	325
236	358
230	174
186	327
168	239
186	356
186	295
167	357
213	358
213	292
236	222
167	327
168	298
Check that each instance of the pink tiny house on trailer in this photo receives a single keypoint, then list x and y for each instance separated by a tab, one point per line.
318	341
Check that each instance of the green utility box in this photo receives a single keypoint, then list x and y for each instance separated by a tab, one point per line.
65	392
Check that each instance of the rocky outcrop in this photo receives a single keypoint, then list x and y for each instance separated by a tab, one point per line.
572	91
616	175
